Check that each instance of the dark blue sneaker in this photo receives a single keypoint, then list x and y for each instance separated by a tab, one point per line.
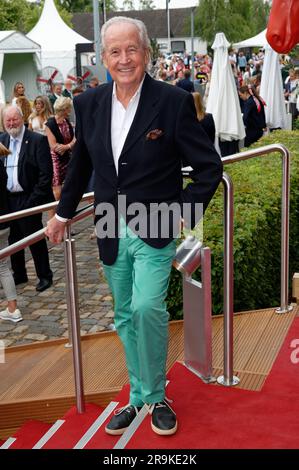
122	419
164	420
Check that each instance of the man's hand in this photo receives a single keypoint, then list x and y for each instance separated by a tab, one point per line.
55	230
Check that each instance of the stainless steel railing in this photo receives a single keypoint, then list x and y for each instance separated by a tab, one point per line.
228	377
71	284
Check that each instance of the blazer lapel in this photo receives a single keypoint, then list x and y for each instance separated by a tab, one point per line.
146	112
102	118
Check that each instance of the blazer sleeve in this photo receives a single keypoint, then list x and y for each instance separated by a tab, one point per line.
78	173
197	151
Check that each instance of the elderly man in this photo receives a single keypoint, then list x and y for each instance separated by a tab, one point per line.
135	132
29	170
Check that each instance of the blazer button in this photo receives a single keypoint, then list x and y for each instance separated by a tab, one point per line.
118	191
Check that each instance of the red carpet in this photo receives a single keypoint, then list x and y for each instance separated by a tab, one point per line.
217	417
101	440
29	434
209	416
74	427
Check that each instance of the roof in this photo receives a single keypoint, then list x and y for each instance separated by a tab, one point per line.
14	41
155	21
256	41
52	33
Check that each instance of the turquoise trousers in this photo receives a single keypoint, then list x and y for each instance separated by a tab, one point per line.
139	280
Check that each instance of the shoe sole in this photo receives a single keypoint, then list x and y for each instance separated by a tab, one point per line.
14	320
115	432
164	432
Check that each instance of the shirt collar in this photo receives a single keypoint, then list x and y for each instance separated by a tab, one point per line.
138	91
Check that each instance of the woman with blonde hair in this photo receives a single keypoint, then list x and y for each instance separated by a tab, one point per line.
11	312
19	99
61	140
41	113
205	119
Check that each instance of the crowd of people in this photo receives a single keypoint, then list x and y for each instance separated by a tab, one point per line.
247	71
36	143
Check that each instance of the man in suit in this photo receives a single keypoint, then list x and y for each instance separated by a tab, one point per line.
67	92
57	92
29	171
186	83
135	132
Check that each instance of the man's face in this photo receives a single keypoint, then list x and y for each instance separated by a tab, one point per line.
58	90
13	122
68	85
124	55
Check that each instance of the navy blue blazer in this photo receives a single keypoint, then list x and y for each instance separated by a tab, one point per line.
35	168
149	169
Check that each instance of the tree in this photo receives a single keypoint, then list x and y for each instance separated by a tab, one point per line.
22	16
146	5
80	6
128	5
238	19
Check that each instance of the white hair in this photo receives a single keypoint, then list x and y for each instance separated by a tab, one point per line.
139	25
14	107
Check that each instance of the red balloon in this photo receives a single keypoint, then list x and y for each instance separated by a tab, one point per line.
283	25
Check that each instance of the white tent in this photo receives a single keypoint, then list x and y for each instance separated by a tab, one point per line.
58	41
256	41
19	61
223	101
272	91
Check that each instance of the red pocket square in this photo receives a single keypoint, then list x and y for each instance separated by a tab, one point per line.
154	134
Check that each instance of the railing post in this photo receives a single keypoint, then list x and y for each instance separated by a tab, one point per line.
228	378
285	223
67	291
71	278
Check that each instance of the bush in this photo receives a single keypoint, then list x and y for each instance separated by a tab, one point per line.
257	208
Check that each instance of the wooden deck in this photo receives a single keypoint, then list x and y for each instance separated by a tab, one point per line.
36	381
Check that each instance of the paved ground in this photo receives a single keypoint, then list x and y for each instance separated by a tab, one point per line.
44	314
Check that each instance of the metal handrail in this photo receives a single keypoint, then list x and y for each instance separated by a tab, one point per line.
228	378
39	234
38	209
71	285
285	211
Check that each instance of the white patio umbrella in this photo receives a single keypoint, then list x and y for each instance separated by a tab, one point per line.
223	101
272	90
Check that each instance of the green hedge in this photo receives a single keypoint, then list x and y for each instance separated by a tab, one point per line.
257	191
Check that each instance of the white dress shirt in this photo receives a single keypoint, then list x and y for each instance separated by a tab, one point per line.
16	185
121	121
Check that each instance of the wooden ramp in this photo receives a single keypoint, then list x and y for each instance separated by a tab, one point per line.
36	381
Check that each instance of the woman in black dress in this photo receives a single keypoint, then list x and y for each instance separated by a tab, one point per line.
253	114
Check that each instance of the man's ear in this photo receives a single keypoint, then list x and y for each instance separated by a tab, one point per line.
147	57
104	60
